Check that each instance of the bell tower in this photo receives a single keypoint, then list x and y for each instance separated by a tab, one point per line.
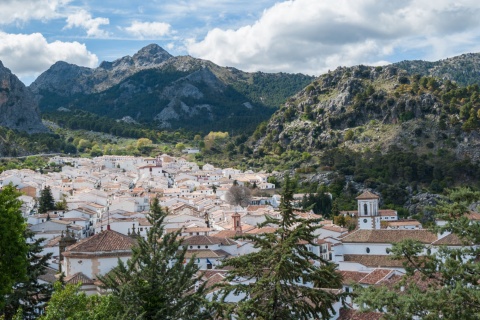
368	215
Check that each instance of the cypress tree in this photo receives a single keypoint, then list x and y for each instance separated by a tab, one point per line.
283	279
30	293
46	201
157	283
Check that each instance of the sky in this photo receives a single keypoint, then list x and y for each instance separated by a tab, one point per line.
298	36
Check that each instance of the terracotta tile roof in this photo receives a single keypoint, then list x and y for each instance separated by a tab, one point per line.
205	253
389	236
49	275
78	277
366	195
201	240
104	241
372	260
350	314
387	212
473	215
376	276
262	230
352	276
226	234
53	242
449	240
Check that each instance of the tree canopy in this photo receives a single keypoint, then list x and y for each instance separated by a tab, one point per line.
13	247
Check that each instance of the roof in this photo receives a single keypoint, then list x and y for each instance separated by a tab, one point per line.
366	195
350	314
389	236
78	277
449	240
376	276
206	240
105	241
352	276
373	260
206	253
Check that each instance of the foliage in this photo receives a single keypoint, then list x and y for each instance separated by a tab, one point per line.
68	302
156	283
31	292
238	196
13	248
46	201
440	282
279	280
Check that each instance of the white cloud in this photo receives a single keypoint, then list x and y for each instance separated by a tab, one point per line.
25	10
83	19
148	30
312	36
28	55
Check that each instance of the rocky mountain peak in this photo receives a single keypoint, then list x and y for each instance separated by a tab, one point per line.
150	55
18	110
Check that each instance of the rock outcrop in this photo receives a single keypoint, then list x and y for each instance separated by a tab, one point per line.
18	109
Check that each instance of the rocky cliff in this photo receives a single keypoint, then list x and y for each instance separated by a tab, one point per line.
18	109
375	108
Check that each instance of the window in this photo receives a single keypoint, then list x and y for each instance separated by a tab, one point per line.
365	209
191	247
206	247
365	220
368	250
198	247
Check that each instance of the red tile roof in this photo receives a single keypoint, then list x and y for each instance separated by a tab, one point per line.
366	195
78	277
376	276
389	236
349	314
105	241
373	260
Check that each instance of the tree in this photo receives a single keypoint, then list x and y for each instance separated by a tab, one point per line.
13	248
238	196
30	293
279	280
440	283
157	283
68	302
46	201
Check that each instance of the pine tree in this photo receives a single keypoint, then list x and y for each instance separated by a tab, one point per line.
30	293
46	201
439	284
283	279
13	248
157	283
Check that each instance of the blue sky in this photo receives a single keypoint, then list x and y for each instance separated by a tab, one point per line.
307	36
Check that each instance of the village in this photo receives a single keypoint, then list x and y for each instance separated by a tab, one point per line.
108	198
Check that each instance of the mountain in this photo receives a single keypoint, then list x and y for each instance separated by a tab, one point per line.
374	108
18	108
463	69
159	90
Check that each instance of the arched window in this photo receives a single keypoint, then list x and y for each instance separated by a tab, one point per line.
365	209
368	250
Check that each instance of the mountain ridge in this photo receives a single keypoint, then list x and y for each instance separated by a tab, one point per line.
163	91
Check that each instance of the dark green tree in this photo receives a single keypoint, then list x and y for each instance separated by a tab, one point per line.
279	280
13	247
46	201
31	292
439	284
157	282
